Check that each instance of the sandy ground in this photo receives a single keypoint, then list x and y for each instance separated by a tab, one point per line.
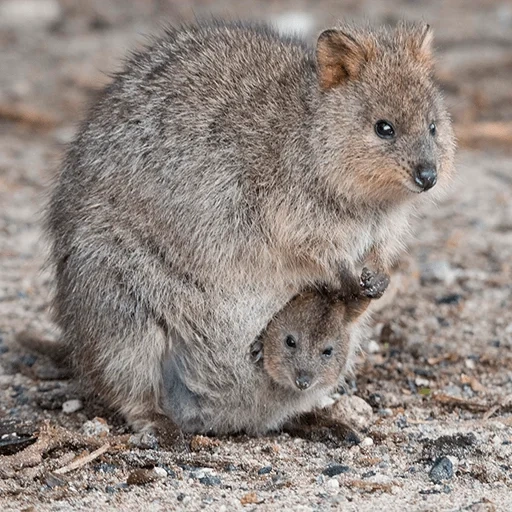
433	395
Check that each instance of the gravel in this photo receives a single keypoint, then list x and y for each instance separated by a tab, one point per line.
436	382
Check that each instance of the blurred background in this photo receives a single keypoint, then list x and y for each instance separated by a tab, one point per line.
438	357
55	53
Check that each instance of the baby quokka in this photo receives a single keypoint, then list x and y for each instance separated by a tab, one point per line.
294	366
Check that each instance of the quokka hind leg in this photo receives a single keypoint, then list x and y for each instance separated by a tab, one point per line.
124	370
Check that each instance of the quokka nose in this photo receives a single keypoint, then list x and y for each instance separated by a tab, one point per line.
303	381
425	175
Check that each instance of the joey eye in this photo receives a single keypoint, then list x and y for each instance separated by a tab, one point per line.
432	128
384	129
327	353
290	341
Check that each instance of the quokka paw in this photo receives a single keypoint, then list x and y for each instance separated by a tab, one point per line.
373	284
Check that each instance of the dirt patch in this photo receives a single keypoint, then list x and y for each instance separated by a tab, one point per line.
437	376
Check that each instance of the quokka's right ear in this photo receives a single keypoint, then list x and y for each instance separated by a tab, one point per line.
340	57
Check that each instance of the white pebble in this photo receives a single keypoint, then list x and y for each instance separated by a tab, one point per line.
333	484
71	406
373	347
367	441
160	472
97	427
470	364
421	382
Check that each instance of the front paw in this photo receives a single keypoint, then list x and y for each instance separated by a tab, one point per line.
373	284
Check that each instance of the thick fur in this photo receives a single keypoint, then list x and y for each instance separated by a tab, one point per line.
259	393
215	179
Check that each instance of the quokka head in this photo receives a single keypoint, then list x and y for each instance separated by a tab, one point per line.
383	131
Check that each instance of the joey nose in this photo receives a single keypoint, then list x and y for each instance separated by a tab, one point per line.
425	175
303	381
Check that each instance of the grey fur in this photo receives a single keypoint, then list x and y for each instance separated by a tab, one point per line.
214	180
261	395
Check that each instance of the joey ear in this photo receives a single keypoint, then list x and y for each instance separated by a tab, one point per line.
340	57
356	307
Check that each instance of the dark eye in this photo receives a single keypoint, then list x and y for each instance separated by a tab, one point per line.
432	128
291	341
327	352
384	129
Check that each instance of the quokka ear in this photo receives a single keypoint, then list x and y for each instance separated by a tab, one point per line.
340	57
421	43
356	307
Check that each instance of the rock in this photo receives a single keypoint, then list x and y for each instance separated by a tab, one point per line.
104	467
335	469
53	481
143	440
373	347
71	406
452	298
210	480
36	13
376	401
332	484
265	470
145	476
199	443
96	427
366	442
160	472
437	272
250	498
353	410
441	470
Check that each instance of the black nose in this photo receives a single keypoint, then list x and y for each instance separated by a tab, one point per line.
425	175
303	381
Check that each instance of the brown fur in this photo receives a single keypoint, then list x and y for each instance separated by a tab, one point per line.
317	321
216	178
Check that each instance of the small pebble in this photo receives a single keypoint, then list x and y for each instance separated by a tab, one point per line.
353	410
210	480
470	364
335	469
333	484
71	406
143	440
145	476
453	298
96	427
53	481
373	347
265	470
441	470
104	467
366	442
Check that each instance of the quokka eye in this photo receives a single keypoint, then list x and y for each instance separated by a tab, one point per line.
384	129
327	353
291	341
432	128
